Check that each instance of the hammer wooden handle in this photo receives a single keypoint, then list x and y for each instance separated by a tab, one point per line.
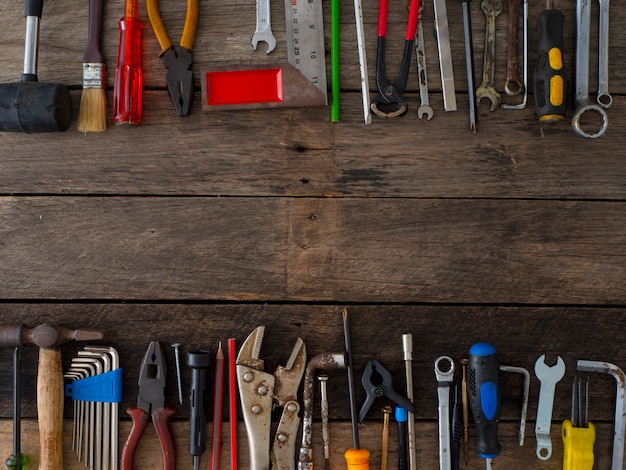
50	409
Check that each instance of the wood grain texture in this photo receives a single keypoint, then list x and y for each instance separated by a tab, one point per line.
149	455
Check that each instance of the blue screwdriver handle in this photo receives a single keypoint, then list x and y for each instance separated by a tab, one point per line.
484	395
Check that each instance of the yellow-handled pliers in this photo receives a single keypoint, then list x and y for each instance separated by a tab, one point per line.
177	59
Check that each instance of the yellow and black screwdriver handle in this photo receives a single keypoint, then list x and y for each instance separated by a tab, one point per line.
550	75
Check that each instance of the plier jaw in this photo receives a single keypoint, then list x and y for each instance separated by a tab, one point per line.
260	391
179	77
152	376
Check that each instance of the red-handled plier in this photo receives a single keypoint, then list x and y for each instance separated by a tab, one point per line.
151	403
390	102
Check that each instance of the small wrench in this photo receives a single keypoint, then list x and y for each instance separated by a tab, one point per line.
263	31
487	89
604	98
444	382
582	101
549	377
425	108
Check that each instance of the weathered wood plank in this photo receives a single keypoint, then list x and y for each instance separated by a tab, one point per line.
308	249
521	335
148	455
300	153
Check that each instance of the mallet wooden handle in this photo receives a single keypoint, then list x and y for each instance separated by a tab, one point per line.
50	409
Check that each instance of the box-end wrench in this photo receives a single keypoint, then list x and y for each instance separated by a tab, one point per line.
263	32
521	105
582	101
620	406
487	89
549	377
513	85
445	55
422	77
444	372
604	97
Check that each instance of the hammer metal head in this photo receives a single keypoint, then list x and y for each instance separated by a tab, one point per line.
32	106
45	336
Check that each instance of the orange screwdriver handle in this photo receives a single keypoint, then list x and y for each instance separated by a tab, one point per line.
161	420
127	93
140	420
357	459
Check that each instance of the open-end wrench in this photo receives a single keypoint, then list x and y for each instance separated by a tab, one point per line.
513	85
487	89
263	31
444	382
549	377
619	428
582	101
422	77
604	97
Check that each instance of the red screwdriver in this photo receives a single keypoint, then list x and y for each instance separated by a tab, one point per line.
127	92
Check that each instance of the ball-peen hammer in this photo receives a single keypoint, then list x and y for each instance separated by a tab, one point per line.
50	389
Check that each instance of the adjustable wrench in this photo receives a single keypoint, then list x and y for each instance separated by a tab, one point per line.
444	382
422	77
582	101
619	427
549	377
263	31
487	89
604	98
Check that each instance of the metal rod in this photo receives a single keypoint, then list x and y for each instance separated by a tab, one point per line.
351	389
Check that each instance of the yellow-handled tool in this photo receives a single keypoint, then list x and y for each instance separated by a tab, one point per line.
579	435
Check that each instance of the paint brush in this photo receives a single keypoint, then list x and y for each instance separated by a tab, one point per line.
93	103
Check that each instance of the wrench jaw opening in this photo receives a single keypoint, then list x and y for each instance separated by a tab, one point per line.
266	37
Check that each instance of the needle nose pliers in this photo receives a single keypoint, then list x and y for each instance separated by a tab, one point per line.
390	102
177	58
151	403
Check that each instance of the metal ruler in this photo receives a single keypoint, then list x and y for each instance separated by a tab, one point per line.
305	40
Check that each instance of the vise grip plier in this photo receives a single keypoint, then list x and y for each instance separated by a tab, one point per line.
260	391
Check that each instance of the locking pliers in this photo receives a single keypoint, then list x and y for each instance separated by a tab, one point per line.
260	391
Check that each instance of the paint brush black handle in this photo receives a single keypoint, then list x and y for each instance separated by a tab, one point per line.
94	41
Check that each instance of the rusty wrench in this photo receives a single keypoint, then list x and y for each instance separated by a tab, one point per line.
487	89
620	406
582	101
425	109
524	86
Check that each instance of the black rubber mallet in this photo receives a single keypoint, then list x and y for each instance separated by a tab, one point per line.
29	105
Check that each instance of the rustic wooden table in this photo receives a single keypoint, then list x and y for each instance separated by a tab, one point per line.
201	228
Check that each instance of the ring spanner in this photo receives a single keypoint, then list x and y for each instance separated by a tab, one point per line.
444	382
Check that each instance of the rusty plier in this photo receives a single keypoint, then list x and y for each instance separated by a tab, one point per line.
151	403
260	392
177	58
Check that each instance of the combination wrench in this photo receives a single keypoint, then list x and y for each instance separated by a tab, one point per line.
487	89
582	101
604	97
549	377
513	85
425	108
263	32
444	382
524	85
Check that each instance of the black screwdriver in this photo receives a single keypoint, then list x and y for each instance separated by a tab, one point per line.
17	461
550	74
199	360
484	397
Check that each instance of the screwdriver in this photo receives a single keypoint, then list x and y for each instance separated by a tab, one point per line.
550	74
484	397
579	434
17	461
199	360
127	91
356	458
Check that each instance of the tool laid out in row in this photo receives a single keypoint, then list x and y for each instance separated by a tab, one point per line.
94	383
30	106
